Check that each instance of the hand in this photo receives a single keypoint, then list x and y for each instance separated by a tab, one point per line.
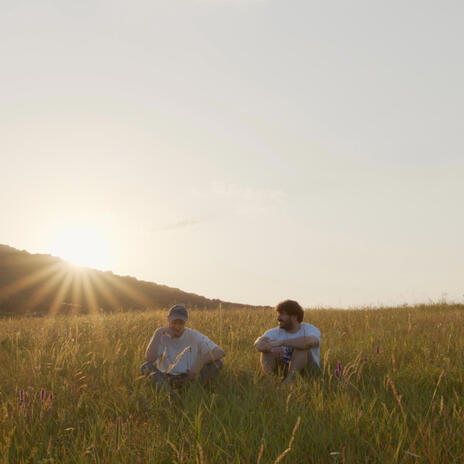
262	344
275	343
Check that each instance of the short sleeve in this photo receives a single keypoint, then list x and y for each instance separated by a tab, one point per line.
205	344
273	333
311	331
151	349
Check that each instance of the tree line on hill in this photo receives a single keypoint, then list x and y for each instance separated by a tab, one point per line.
39	284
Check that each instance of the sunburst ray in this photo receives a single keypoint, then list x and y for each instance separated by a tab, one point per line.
28	280
107	294
76	292
41	293
60	296
136	295
89	294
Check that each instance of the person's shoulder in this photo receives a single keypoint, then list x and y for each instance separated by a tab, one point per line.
194	333
197	337
310	327
272	332
160	335
189	330
307	324
160	330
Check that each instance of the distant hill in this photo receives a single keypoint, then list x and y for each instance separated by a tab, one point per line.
43	284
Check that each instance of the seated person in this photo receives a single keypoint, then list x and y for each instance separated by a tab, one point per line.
292	346
177	354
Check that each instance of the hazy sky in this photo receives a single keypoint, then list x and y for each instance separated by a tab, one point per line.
245	150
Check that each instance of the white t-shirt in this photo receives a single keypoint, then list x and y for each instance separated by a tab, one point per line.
305	330
178	355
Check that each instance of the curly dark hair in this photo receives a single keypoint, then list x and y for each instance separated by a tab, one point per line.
292	308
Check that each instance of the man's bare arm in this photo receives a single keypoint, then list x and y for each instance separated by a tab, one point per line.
213	355
300	343
153	347
263	344
208	357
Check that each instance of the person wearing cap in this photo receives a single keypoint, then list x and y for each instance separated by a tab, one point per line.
291	347
177	354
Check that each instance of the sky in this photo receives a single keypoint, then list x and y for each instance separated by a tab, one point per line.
245	150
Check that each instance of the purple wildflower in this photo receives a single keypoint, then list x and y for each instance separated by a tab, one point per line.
51	396
42	395
338	370
377	349
21	396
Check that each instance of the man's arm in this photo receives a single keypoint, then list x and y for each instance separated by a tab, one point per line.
300	343
212	355
263	344
151	354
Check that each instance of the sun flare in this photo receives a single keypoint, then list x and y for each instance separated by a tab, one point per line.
84	247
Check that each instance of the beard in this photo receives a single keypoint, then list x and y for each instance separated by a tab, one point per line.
286	325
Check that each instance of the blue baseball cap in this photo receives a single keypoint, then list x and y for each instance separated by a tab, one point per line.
178	312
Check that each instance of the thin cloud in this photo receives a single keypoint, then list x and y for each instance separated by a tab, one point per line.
182	224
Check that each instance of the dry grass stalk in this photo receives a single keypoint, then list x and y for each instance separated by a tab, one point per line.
290	442
398	398
177	359
200	454
419	431
288	401
260	454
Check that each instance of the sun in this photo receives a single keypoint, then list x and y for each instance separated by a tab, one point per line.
83	246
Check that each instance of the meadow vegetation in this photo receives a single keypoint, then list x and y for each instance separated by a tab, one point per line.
391	391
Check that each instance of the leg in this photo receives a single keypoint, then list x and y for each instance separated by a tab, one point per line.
300	360
210	371
178	381
268	362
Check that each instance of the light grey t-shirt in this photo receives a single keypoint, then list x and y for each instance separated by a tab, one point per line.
178	355
306	330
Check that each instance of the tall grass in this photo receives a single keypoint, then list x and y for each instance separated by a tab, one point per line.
391	390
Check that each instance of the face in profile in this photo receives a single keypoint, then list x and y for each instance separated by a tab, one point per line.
176	328
286	321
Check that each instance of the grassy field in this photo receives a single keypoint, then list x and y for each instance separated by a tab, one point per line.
71	392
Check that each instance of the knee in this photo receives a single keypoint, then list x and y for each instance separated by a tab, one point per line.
146	368
267	357
218	364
